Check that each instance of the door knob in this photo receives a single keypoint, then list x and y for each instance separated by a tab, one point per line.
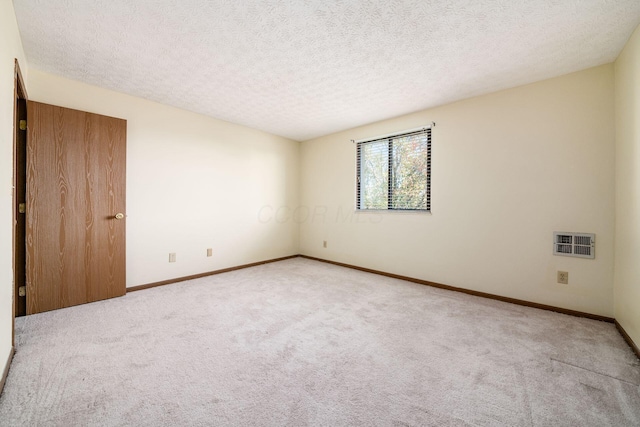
119	215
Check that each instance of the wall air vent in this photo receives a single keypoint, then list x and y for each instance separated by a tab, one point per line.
582	245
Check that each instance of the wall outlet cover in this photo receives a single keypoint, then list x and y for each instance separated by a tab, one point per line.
563	277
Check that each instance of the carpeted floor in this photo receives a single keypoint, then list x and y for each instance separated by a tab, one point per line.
299	342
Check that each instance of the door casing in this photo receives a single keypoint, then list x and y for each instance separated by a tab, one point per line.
19	195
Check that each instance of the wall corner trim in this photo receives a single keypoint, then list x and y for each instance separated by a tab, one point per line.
208	273
5	371
625	336
628	339
471	292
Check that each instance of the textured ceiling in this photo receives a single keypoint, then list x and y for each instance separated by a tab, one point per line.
306	68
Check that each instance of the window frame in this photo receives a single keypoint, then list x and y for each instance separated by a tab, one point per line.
425	130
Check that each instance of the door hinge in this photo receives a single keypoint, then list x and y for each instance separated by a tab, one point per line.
23	125
22	208
22	291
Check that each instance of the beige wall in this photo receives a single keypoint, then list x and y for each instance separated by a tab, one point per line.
509	169
627	249
193	183
10	48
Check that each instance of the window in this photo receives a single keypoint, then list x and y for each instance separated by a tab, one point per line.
394	172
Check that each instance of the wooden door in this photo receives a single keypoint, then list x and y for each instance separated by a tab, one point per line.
75	189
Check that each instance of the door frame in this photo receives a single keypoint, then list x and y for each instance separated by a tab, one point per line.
19	173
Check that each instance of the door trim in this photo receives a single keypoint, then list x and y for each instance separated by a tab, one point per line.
20	94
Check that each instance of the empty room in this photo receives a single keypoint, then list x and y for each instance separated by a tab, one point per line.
320	213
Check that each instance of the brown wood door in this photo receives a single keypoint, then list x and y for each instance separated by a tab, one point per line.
75	188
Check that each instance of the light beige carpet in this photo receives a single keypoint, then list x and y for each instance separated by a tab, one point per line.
299	343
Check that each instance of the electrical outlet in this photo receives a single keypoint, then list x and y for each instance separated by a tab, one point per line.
324	243
563	277
209	252
172	257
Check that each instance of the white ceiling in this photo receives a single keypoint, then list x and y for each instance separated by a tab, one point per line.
306	68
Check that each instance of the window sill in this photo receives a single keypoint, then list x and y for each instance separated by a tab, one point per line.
393	211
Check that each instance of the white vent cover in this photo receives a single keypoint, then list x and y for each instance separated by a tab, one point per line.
582	245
